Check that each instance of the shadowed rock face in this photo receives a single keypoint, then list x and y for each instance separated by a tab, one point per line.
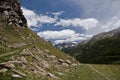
11	13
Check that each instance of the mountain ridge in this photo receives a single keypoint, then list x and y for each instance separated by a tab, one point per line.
104	48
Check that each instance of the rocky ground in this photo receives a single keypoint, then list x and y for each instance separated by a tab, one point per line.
31	61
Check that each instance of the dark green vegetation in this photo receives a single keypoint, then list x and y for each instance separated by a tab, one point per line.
103	48
67	50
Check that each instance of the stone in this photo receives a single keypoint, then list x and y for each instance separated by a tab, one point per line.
6	13
68	62
38	58
19	73
45	65
20	22
16	76
47	51
61	60
8	7
65	64
7	65
52	76
52	57
10	23
42	73
74	65
2	8
23	66
23	59
40	69
13	13
59	73
26	52
4	70
10	65
15	62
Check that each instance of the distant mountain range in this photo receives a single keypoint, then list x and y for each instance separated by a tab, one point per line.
102	48
66	47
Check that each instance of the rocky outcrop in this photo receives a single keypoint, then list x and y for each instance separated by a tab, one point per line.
11	13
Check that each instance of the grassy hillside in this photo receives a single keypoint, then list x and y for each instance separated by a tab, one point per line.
21	47
94	72
103	50
13	37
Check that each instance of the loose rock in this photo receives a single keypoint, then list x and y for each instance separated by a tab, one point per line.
16	76
52	76
4	70
7	65
61	60
68	62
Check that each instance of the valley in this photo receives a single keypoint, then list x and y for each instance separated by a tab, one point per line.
26	56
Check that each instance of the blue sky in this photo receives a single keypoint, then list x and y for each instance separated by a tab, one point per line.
71	20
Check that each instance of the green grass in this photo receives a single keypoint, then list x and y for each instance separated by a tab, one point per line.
13	34
16	35
112	71
84	72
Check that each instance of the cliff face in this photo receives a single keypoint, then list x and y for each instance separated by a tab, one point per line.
11	13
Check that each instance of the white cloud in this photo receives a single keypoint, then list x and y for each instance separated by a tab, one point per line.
58	34
98	17
63	36
74	39
35	19
58	13
77	22
111	24
102	9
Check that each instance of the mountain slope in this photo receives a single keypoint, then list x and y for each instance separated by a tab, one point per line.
102	48
23	54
